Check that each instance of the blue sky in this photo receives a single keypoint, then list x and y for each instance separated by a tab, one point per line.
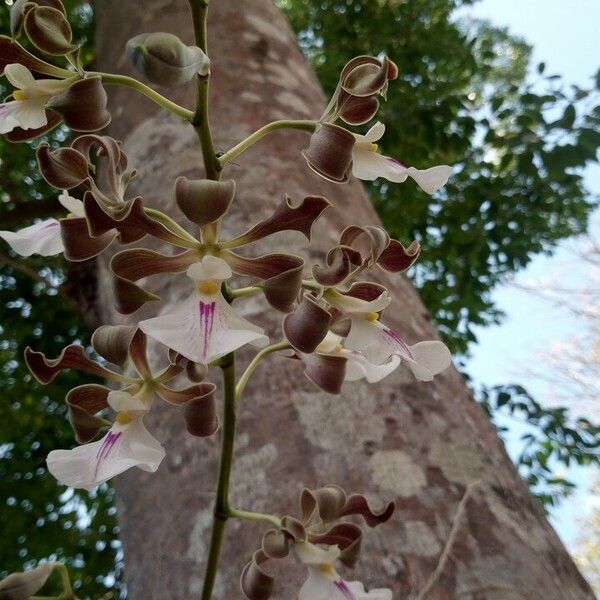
564	34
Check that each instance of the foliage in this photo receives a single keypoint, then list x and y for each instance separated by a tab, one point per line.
463	97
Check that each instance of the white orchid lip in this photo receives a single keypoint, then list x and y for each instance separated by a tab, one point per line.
369	165
204	327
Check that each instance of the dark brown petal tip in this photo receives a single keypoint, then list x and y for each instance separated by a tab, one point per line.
84	402
287	218
83	105
282	291
293	529
396	258
307	326
24	584
204	201
112	342
340	262
255	583
357	504
347	536
72	357
12	52
327	372
63	168
275	544
324	503
374	240
329	152
356	111
78	243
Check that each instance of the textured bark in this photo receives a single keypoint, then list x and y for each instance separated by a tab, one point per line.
422	444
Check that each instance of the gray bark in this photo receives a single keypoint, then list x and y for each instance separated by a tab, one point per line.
421	444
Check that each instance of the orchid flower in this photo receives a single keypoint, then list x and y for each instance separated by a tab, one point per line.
324	583
28	109
358	366
368	164
43	238
127	444
378	343
204	327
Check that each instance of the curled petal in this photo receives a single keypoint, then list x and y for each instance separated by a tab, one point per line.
357	504
72	357
355	110
307	326
42	238
340	262
327	372
138	262
112	342
129	297
139	355
200	412
329	152
204	201
255	582
377	239
396	258
347	537
17	10
48	30
84	402
282	290
285	218
324	503
24	584
63	168
366	75
78	244
293	529
11	52
263	267
275	544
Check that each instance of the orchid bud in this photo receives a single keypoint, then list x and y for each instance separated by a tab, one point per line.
48	30
63	168
83	105
330	152
204	201
165	60
20	7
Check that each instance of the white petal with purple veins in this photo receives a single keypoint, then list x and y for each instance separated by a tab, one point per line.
123	447
41	238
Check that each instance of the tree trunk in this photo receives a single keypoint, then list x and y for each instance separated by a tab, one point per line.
421	444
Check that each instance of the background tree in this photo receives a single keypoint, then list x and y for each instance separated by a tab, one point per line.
435	127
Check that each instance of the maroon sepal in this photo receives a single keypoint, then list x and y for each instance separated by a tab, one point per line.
396	258
256	584
357	504
307	326
347	536
84	402
340	263
78	243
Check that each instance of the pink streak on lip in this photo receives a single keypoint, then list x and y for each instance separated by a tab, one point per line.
340	584
107	445
395	162
207	320
396	337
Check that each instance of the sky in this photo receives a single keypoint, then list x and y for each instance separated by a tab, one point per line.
564	35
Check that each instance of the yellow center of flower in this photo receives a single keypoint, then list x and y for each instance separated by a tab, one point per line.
372	316
339	348
326	568
208	287
373	147
19	95
124	418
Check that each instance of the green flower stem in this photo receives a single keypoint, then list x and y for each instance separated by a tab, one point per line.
142	88
260	356
254	516
262	132
222	508
311	284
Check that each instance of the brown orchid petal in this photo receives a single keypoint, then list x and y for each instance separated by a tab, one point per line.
200	412
78	243
275	544
293	529
366	77
18	135
12	52
129	297
24	584
112	342
307	326
256	583
83	105
282	291
357	504
63	168
329	152
139	355
263	267
204	201
354	110
324	503
195	371
396	258
84	402
100	222
365	290
347	536
138	262
17	10
326	372
286	218
48	30
358	61
340	262
72	357
375	237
